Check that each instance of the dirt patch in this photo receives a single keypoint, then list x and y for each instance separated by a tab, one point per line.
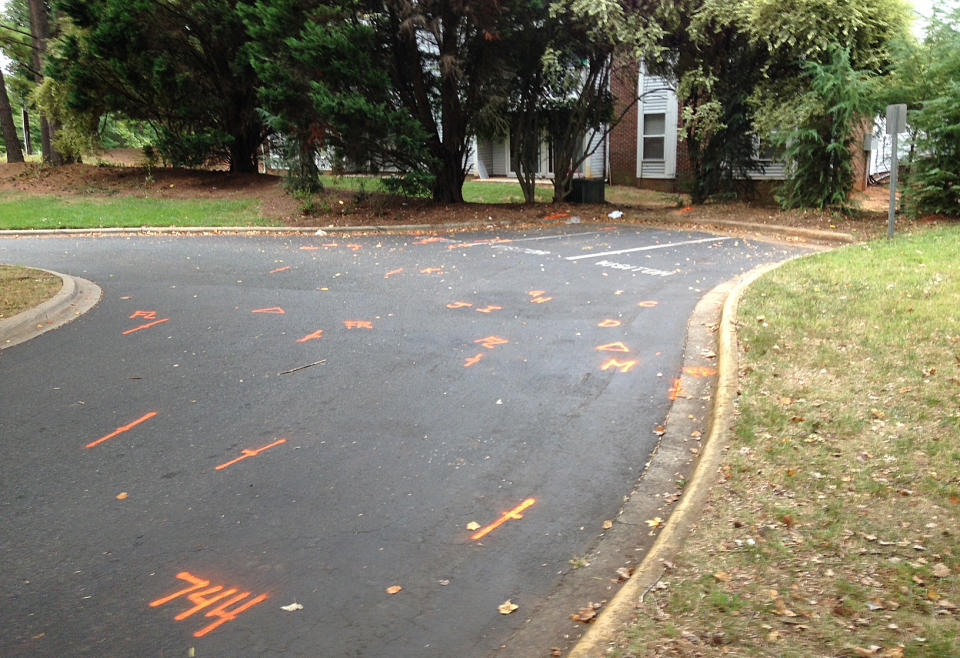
123	172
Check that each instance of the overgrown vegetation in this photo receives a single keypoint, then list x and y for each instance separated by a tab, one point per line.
832	530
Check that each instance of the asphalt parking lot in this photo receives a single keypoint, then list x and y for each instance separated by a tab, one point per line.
333	445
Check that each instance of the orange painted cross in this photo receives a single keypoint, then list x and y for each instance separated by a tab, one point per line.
491	341
358	324
473	360
459	305
515	513
246	453
489	309
122	429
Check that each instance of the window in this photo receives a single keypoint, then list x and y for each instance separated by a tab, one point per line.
654	136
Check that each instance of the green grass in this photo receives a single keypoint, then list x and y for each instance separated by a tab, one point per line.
32	212
842	467
473	191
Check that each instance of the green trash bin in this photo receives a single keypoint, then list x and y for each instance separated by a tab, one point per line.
587	190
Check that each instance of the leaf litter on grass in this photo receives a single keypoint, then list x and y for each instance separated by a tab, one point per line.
832	528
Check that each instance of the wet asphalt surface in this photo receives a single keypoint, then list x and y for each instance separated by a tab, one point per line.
246	423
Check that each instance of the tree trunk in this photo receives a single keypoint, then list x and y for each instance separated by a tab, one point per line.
448	184
10	138
40	29
27	139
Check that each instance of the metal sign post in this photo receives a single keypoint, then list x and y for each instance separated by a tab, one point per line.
896	124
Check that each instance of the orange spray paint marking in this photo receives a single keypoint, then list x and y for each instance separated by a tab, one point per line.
609	322
145	326
358	324
273	310
429	240
472	360
280	269
316	335
621	366
515	513
463	245
198	583
613	347
246	453
229	615
700	371
536	293
647	304
431	270
392	272
676	390
459	305
309	248
561	215
489	309
538	297
354	247
122	429
491	341
330	244
200	595
146	315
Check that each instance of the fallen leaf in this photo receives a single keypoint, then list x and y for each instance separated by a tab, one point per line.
122	495
292	607
659	431
940	570
623	573
722	576
773	636
507	607
946	604
876	413
473	525
393	589
872	650
655	522
584	616
607	524
786	401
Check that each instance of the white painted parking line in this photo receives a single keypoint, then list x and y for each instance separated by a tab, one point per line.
656	246
561	236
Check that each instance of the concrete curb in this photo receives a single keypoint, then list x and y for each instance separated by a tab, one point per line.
778	229
774	229
76	297
246	230
620	610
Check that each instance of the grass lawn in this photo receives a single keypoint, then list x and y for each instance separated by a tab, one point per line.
23	287
18	211
475	191
834	528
